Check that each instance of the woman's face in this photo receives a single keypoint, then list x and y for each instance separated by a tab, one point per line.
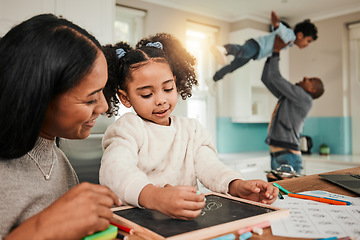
72	114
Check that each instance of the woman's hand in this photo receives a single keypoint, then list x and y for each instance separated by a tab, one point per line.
82	211
255	190
180	202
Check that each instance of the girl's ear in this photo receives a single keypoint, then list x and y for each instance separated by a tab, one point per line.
124	99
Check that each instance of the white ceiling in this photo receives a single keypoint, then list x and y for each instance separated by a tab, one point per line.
291	10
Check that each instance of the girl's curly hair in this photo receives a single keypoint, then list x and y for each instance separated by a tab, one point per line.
120	68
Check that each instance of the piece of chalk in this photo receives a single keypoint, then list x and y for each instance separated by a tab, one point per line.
245	236
249	229
198	193
230	236
258	230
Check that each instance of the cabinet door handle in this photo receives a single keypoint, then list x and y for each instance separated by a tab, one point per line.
251	165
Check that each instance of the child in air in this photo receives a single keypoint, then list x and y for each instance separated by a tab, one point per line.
152	159
256	48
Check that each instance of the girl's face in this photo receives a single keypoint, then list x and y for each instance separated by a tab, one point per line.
151	92
72	114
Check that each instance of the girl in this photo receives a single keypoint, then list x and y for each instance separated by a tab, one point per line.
152	159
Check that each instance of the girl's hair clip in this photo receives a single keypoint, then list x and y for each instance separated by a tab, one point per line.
155	44
120	53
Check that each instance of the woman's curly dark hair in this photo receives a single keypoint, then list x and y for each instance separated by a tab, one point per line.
119	69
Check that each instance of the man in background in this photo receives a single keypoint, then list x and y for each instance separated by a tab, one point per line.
294	103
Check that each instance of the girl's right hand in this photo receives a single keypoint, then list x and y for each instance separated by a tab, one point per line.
180	202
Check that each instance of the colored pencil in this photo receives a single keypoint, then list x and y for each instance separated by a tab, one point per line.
319	199
121	237
123	228
280	195
333	238
330	238
281	188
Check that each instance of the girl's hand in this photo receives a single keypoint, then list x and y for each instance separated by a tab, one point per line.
255	190
180	202
82	211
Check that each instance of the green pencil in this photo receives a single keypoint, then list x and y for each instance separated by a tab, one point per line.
281	188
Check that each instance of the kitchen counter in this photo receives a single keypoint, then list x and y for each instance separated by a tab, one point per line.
251	165
228	157
254	164
351	159
315	163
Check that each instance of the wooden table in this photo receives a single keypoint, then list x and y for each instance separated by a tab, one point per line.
301	184
309	183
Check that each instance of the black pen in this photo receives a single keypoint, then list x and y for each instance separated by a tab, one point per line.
121	237
280	195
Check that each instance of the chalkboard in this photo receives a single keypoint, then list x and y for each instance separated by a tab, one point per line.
221	213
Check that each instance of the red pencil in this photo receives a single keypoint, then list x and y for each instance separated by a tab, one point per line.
123	228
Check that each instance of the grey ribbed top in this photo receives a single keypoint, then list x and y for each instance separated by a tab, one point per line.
23	190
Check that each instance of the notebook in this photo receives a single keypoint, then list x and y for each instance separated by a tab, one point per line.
350	182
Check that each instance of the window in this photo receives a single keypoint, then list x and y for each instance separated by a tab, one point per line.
129	24
128	27
202	104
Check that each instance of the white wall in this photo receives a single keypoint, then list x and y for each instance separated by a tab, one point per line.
327	58
95	16
165	19
15	11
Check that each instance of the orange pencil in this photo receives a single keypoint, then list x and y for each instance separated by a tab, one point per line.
319	199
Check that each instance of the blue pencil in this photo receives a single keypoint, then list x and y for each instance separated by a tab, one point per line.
330	238
333	238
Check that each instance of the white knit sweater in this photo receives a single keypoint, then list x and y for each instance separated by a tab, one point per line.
138	152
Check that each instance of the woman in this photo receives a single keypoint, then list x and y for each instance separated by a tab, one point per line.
52	74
